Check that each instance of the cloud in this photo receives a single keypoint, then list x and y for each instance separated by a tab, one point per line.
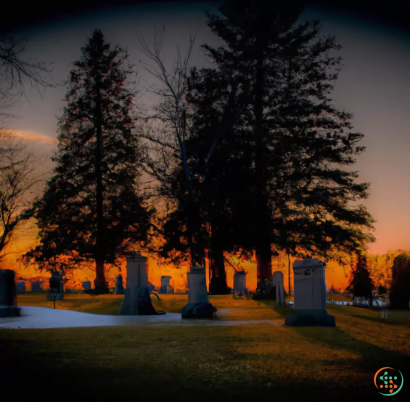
34	137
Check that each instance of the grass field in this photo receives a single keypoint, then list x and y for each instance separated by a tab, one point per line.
196	363
110	304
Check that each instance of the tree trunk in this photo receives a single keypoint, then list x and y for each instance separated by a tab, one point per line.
218	284
196	245
263	245
101	285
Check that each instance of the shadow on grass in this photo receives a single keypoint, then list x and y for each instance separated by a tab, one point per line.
282	311
72	380
378	320
371	357
146	365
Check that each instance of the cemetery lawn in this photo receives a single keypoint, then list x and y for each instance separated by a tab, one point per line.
198	362
110	304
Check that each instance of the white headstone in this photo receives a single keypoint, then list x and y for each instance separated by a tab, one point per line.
309	285
137	283
197	292
309	295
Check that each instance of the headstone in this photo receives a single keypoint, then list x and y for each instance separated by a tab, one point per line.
277	280
164	283
198	304
36	286
87	285
239	283
137	299
8	294
56	286
309	295
21	287
119	287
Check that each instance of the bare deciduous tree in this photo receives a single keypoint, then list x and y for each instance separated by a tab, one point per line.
14	71
168	128
17	166
17	181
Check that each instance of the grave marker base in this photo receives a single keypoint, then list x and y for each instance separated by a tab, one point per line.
310	318
198	310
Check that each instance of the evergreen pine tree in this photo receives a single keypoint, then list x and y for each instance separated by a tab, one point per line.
92	208
400	287
214	180
299	138
251	30
361	284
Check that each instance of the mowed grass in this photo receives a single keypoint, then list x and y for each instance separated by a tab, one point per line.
110	304
244	362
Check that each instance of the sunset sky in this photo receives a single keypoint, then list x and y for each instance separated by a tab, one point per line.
374	85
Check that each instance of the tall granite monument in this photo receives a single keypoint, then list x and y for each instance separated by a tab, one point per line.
310	295
137	299
198	304
8	294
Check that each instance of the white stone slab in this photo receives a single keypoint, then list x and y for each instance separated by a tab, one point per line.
137	284
309	285
197	292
